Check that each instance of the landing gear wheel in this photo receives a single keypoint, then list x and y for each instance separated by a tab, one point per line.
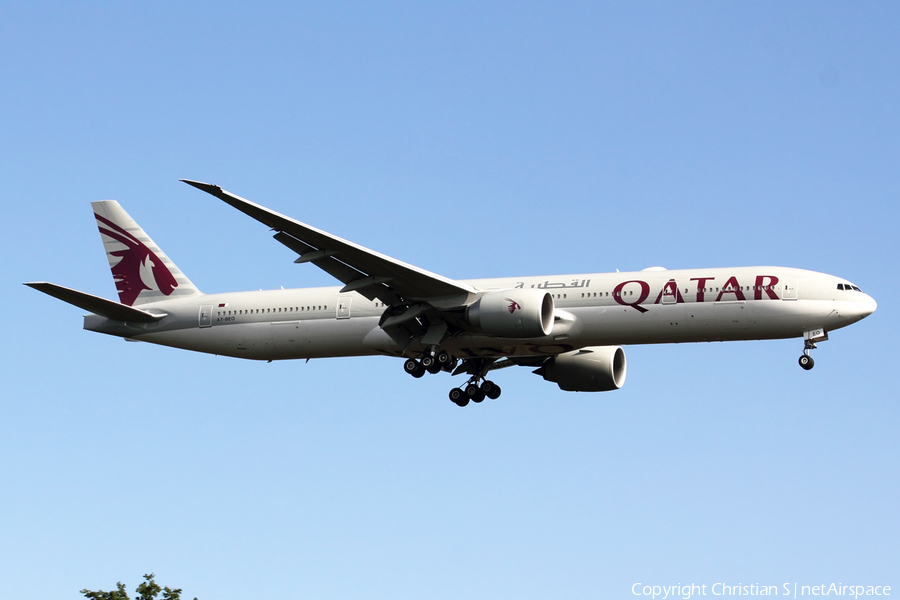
458	397
807	362
478	396
414	368
490	389
443	358
431	364
471	390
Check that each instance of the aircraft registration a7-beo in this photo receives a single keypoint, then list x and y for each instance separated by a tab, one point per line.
568	328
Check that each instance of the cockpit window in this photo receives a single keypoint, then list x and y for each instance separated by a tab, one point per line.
856	289
840	286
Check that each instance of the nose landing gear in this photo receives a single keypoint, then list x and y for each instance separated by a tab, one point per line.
809	343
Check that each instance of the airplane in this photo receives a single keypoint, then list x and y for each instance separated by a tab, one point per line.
569	328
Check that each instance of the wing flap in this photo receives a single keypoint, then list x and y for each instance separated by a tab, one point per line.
96	304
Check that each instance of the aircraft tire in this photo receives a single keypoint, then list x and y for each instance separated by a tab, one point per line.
443	358
414	368
492	391
458	397
807	362
478	396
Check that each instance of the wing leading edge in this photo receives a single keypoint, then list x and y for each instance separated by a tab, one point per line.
365	271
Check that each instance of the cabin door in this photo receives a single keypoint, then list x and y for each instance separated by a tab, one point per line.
790	290
206	315
343	307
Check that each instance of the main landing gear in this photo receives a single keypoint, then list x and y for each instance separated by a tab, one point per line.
435	361
472	391
431	362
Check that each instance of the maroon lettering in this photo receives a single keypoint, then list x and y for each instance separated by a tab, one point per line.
670	290
701	285
731	287
769	287
645	291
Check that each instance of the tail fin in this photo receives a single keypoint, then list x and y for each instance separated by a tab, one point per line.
141	271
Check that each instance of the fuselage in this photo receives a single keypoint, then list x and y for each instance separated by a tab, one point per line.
653	306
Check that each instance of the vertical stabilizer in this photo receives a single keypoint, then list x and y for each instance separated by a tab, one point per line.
142	272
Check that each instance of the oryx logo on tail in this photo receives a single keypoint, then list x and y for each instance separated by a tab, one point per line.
139	268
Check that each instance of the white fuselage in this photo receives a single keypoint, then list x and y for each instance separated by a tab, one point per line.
597	309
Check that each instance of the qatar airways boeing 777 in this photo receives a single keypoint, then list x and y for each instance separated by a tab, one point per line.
569	328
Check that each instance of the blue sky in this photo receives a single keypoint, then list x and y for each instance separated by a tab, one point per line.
472	140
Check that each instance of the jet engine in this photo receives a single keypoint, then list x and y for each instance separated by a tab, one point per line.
516	313
591	369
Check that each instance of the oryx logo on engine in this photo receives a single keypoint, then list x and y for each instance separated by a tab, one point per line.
513	305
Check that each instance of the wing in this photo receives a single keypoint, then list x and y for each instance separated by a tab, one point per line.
362	270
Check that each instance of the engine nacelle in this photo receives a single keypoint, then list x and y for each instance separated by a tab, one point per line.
591	369
517	313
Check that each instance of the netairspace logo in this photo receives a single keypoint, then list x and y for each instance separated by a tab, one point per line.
787	589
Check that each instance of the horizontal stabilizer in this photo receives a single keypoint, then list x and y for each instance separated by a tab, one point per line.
96	304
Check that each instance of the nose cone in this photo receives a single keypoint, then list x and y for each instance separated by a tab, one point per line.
860	308
868	307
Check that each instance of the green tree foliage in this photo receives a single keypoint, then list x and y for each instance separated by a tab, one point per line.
148	590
